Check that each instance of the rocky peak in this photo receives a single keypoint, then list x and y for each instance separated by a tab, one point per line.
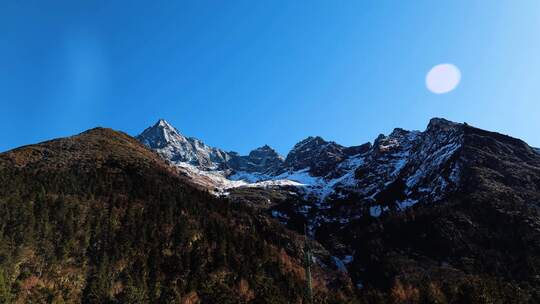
160	135
264	155
355	150
264	160
410	160
173	146
167	141
264	151
313	144
315	154
440	124
399	139
309	141
163	123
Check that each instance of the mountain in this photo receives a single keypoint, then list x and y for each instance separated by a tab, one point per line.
323	169
445	215
450	214
99	218
263	160
180	150
451	211
173	146
314	153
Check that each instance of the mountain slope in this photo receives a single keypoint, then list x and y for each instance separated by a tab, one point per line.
476	241
98	218
447	215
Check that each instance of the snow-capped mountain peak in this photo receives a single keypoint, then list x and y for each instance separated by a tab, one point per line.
190	152
163	123
402	166
167	141
160	135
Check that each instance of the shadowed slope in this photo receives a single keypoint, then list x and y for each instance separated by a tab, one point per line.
98	218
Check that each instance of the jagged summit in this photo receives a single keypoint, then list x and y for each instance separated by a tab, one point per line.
309	140
264	148
263	160
398	169
175	147
438	124
160	135
167	141
162	122
314	153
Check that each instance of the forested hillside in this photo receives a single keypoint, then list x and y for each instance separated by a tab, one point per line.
98	218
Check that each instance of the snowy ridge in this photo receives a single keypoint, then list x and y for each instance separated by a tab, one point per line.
394	173
406	167
397	172
218	184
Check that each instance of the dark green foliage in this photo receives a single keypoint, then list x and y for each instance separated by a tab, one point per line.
100	219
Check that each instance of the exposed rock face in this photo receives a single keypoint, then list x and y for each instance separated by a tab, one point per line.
263	160
176	148
485	215
315	154
411	165
168	142
395	173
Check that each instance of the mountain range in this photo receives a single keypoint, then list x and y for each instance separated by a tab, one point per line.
415	166
450	214
340	192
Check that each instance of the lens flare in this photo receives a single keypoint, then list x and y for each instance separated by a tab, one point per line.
443	78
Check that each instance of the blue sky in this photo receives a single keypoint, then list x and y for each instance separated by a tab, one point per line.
240	74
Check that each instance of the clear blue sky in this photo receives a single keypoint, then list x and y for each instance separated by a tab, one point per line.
240	74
